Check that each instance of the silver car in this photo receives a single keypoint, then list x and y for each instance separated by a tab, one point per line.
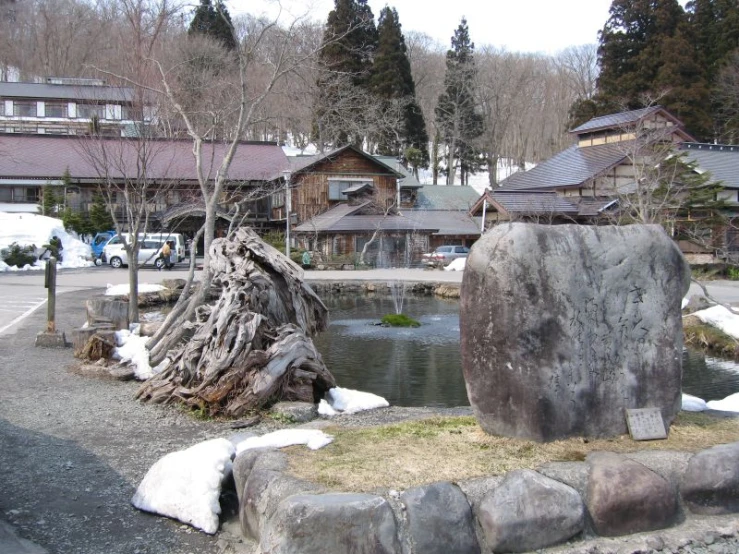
444	255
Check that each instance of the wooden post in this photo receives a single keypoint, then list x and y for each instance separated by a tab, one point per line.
50	284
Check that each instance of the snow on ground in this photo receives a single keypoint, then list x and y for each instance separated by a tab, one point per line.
125	290
33	229
693	403
132	350
457	265
186	484
312	438
349	401
721	318
728	404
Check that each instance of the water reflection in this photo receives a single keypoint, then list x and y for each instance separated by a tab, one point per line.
422	366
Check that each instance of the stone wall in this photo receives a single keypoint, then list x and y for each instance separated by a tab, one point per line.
605	496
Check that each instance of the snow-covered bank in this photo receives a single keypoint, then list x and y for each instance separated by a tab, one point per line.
37	230
721	318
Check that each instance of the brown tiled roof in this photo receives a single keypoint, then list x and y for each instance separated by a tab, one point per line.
569	168
303	164
47	158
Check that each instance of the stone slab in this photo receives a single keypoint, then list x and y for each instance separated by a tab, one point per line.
645	424
51	340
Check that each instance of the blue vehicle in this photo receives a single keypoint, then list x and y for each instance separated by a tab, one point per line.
98	243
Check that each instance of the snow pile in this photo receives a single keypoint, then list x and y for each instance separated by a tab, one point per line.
124	290
349	401
728	404
132	350
32	229
721	318
186	484
693	403
457	265
312	438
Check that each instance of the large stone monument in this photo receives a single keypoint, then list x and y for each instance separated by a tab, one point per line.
564	327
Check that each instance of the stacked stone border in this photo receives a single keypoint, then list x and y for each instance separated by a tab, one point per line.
607	495
444	290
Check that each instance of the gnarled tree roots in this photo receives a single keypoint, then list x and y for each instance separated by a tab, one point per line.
253	346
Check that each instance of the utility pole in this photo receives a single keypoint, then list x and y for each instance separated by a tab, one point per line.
51	338
288	207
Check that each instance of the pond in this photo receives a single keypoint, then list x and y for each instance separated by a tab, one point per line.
422	367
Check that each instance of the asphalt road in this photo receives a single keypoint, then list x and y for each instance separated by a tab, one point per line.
22	293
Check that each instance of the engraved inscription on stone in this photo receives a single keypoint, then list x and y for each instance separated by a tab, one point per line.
645	424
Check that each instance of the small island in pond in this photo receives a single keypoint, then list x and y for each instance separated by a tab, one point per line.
399	320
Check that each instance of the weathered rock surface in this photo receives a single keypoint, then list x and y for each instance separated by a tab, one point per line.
265	487
297	412
439	520
626	497
710	484
334	523
529	511
563	327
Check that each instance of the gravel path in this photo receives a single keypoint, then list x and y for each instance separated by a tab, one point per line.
73	449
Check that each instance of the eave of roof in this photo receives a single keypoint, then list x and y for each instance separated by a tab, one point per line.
570	168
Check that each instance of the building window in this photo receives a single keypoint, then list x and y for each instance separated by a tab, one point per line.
337	186
55	109
6	194
89	111
26	194
2	106
24	109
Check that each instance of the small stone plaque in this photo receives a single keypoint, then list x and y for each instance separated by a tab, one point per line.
645	424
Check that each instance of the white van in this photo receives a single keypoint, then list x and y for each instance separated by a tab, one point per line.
151	244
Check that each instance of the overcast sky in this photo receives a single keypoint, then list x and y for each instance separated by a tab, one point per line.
546	26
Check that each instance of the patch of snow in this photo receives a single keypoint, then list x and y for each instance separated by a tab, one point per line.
186	484
124	290
312	438
325	409
728	404
457	265
693	403
684	303
33	229
721	318
132	350
349	401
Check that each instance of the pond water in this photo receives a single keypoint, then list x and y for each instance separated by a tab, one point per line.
422	367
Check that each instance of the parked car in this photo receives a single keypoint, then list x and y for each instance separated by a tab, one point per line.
148	254
444	255
98	243
161	238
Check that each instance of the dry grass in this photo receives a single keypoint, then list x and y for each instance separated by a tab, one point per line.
455	449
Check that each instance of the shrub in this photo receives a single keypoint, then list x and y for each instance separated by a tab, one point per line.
18	255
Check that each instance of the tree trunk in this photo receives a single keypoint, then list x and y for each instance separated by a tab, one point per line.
253	347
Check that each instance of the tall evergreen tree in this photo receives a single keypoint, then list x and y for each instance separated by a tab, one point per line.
345	62
215	22
456	112
714	25
392	82
645	50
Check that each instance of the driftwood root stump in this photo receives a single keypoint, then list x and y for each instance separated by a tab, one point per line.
252	347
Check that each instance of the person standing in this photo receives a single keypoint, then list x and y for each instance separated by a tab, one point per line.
164	255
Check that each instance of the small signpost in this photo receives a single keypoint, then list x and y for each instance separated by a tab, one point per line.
645	424
51	338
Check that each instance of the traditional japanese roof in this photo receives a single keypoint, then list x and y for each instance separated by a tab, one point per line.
448	222
616	120
357	188
445	197
46	91
570	168
305	164
720	160
48	157
343	218
543	203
